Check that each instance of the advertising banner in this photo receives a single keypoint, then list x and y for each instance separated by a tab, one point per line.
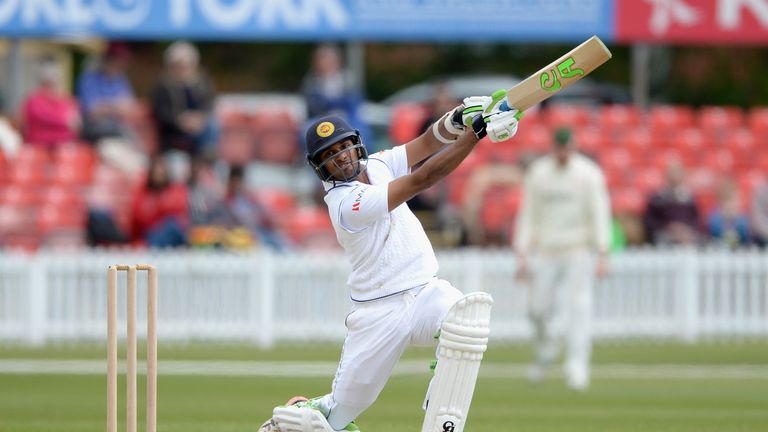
311	20
692	21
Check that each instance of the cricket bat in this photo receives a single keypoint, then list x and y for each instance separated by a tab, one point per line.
558	75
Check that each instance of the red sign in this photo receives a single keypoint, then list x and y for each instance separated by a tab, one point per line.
692	21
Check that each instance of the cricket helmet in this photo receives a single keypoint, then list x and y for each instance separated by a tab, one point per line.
323	133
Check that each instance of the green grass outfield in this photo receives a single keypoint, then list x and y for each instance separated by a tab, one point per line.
640	387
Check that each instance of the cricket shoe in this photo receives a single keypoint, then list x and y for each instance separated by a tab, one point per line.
299	412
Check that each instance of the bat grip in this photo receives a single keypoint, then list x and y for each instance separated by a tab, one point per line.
504	106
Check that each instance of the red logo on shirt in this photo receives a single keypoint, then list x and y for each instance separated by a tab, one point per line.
358	198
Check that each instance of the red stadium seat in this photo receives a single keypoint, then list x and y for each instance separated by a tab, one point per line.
720	161
276	136
628	201
278	202
648	180
236	147
24	241
758	122
54	217
638	142
591	140
62	197
32	155
110	177
748	181
20	196
70	175
616	159
311	227
691	143
78	156
16	220
717	120
573	116
618	117
665	118
407	119
534	139
497	214
28	174
742	144
4	167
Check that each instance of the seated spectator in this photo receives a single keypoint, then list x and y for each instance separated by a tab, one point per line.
328	88
248	214
182	103
160	211
106	97
727	224
49	116
206	194
442	102
760	214
671	215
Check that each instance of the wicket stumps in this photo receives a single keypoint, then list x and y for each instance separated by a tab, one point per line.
131	414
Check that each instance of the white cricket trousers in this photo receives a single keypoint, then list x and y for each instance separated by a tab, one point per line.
378	333
560	305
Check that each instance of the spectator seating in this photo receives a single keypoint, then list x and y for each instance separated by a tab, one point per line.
44	196
633	147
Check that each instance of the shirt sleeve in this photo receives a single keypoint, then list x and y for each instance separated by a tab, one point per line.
396	160
601	211
362	206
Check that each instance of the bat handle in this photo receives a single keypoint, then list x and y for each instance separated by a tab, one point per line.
504	106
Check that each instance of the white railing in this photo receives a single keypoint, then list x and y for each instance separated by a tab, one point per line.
262	298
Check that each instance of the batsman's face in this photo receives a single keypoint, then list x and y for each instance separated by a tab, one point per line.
341	159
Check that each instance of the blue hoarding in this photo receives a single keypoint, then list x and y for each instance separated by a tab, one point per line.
380	20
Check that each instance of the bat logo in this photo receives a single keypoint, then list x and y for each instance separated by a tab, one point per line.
550	80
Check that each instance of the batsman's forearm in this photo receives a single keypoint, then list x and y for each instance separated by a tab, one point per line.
446	160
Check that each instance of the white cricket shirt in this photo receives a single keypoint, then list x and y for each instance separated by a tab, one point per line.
564	207
389	251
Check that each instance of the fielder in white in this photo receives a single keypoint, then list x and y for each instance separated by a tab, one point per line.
561	241
397	298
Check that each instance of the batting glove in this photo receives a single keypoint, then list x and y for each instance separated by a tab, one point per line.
473	106
501	126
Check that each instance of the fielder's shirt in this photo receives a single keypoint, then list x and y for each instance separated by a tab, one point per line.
389	251
564	207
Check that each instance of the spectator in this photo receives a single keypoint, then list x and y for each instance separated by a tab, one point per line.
106	96
182	103
160	210
247	213
727	224
561	241
671	215
49	116
760	214
329	89
442	102
206	194
434	217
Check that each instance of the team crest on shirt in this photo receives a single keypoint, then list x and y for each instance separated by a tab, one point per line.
325	129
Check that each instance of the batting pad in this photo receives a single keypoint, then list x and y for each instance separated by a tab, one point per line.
463	340
300	419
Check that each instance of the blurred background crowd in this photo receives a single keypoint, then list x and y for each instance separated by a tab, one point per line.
135	144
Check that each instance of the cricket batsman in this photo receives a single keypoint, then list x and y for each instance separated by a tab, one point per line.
397	298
